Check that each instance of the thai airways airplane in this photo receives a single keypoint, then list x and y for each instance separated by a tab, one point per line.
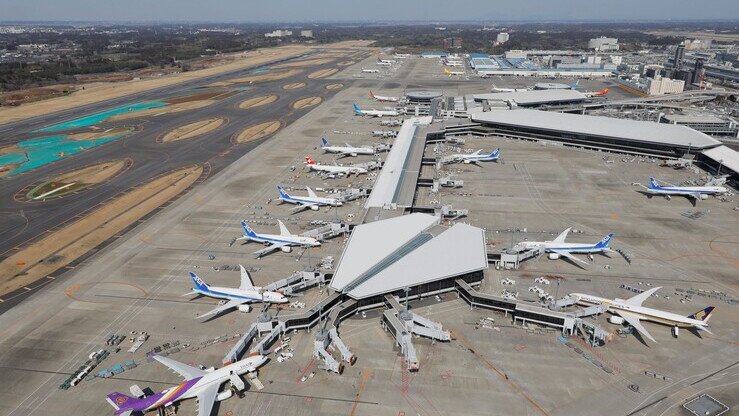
450	73
631	311
312	201
600	93
370	71
236	297
374	113
693	192
383	98
559	248
473	157
199	384
334	169
284	241
346	150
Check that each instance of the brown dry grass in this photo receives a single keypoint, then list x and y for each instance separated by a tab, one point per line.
323	73
73	240
293	86
334	86
92	174
258	131
269	76
345	63
306	102
306	62
174	108
91	135
258	101
191	130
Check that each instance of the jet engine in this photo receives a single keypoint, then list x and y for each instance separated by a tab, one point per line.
704	196
244	308
616	320
553	256
286	249
225	394
314	207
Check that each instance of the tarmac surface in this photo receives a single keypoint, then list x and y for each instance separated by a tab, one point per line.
136	283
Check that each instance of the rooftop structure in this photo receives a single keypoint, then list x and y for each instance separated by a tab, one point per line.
535	97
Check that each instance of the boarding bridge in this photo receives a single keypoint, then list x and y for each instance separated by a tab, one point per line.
402	339
351	194
327	231
511	258
320	352
297	282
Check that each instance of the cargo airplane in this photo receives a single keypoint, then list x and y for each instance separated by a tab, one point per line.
693	192
346	150
632	312
383	98
284	241
334	169
374	113
312	201
202	385
451	73
559	248
235	297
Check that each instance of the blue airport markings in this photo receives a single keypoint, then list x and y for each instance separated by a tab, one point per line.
96	118
260	71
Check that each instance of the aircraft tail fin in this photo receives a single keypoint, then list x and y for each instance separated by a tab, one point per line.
309	161
575	85
605	242
653	184
446	71
248	232
324	142
495	153
120	401
282	192
199	283
357	108
703	314
371	95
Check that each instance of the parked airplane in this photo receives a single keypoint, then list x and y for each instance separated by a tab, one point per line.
383	98
312	201
284	241
374	113
454	63
496	89
631	311
387	61
347	150
235	297
600	93
199	384
401	55
693	192
370	71
559	248
334	169
450	73
472	157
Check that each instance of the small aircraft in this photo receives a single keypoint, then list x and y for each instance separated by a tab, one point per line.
370	71
334	169
374	113
632	312
472	158
235	297
559	248
202	385
693	192
284	241
383	98
346	150
312	201
451	73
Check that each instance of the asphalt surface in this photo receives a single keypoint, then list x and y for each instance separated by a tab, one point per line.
22	222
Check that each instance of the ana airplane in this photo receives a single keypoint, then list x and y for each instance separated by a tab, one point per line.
473	158
235	297
600	93
284	241
559	248
631	311
334	169
199	384
312	201
370	71
374	113
387	61
451	73
383	98
496	89
693	192
346	150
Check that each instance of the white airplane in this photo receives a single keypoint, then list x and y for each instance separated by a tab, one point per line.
693	192
559	248
284	241
374	113
380	62
383	98
401	55
473	158
346	150
387	61
370	71
235	297
496	89
451	73
334	169
312	201
203	385
601	93
454	63
631	311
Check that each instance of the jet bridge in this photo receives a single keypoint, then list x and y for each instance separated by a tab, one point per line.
327	231
297	282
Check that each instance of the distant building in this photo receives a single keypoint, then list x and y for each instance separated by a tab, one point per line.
603	44
616	59
502	37
306	33
278	33
697	44
452	43
661	86
699	73
677	62
515	54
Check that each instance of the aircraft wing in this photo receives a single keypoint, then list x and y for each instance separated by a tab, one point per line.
561	237
301	207
571	257
182	369
269	249
206	399
641	297
633	320
246	282
226	306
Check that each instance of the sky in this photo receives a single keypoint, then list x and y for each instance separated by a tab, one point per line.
267	11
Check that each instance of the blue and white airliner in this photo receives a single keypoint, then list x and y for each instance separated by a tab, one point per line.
374	113
347	149
284	241
559	248
693	192
236	297
312	201
473	158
